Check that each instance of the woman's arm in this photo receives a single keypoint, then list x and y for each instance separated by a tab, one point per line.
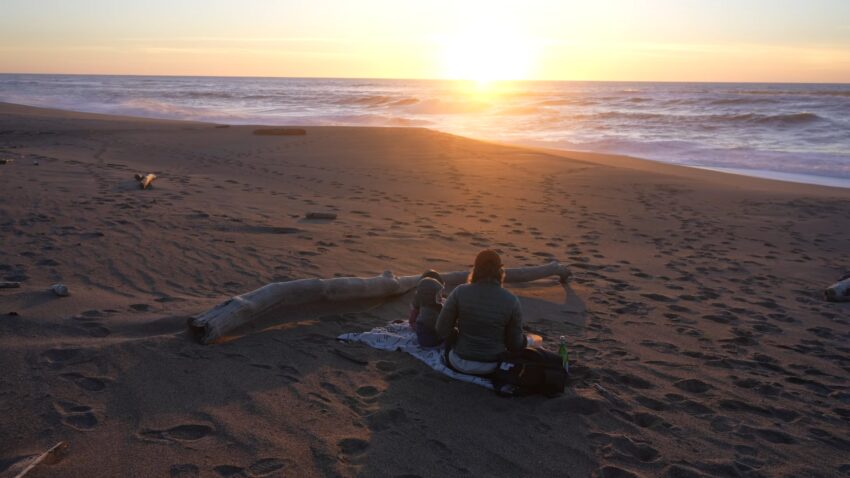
514	337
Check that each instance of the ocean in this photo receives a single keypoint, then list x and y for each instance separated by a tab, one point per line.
797	132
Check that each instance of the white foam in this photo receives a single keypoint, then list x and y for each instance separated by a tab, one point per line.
786	177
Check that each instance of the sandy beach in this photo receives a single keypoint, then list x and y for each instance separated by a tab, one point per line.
695	311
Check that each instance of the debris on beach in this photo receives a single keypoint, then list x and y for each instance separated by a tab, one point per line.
6	160
320	215
840	291
52	456
60	289
350	357
280	132
9	285
145	180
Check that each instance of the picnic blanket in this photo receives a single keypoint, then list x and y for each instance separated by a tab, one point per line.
399	336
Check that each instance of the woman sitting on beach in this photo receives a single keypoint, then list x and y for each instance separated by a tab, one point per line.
425	308
488	319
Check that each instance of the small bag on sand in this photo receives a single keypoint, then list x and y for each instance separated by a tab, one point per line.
531	371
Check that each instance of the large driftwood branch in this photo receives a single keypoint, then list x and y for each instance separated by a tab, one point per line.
244	309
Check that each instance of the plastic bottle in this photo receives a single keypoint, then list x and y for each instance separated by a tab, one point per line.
564	353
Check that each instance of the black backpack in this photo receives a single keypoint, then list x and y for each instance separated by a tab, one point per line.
530	371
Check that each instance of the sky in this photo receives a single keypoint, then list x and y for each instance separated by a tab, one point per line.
614	40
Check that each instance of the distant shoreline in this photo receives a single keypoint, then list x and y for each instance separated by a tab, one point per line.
774	176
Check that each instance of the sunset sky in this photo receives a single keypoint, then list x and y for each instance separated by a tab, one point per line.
684	40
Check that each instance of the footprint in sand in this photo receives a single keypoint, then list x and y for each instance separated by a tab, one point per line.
648	420
95	329
59	358
383	420
367	391
86	383
267	466
76	416
693	385
352	446
610	471
385	366
187	470
230	471
189	432
263	467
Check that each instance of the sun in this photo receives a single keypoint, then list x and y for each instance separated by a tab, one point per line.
486	53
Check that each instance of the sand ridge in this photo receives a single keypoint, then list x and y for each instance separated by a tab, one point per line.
695	307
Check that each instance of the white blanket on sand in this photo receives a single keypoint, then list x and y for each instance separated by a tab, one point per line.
399	336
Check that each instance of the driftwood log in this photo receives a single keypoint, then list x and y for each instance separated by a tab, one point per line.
243	309
320	215
839	292
280	132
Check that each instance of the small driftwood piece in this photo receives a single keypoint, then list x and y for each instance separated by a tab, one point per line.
243	309
145	180
840	291
320	215
52	456
9	285
6	161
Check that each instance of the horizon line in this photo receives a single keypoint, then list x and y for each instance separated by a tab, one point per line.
425	79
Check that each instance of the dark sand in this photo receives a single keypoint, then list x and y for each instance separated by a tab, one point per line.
696	306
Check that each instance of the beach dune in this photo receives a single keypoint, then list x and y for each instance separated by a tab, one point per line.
696	309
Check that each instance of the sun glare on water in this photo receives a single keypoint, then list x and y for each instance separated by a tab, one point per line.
484	54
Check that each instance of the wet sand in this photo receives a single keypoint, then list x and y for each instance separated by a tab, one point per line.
695	310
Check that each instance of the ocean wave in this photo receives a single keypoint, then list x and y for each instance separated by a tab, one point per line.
405	102
436	106
377	100
790	119
361	120
740	101
699	154
521	110
624	115
568	102
839	93
197	95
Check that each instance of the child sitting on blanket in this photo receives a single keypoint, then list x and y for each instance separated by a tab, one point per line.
425	308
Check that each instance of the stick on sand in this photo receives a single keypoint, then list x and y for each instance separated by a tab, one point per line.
53	455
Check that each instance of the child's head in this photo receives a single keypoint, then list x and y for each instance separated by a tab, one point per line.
433	275
428	291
